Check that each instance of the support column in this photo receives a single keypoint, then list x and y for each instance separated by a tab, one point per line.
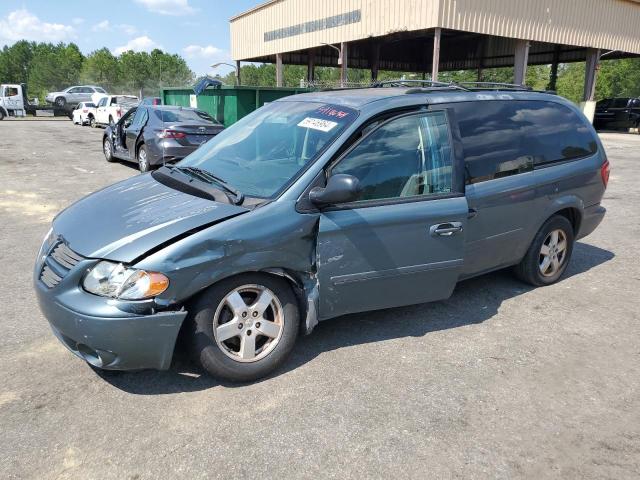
553	74
520	61
311	65
375	60
278	69
238	82
435	63
480	52
343	63
590	72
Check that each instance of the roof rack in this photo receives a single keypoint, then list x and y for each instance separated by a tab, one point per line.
419	85
494	86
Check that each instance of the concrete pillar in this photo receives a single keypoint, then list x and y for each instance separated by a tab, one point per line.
311	65
520	62
238	82
279	75
590	72
553	74
480	53
435	63
375	60
343	63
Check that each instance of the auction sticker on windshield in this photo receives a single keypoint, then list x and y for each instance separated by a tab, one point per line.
317	124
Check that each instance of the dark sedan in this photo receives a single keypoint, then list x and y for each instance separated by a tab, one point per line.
153	135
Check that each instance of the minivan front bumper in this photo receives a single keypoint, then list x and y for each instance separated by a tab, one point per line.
100	331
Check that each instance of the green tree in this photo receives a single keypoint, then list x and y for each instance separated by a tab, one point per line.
101	68
15	62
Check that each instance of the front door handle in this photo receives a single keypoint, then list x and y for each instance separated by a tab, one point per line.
445	229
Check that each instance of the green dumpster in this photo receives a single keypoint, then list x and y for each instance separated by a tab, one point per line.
227	104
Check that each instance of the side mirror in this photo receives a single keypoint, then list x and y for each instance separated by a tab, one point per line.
341	188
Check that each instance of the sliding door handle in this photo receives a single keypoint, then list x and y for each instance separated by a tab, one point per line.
445	229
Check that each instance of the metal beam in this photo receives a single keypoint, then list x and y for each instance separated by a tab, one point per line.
311	65
590	73
520	61
343	65
238	82
278	69
435	63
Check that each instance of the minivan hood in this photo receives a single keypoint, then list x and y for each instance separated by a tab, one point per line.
126	220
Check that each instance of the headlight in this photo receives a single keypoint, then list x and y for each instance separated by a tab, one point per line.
114	280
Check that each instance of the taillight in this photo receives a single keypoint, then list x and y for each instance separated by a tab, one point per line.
85	111
119	112
605	170
171	134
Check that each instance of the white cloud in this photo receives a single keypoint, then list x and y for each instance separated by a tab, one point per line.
23	25
198	51
128	29
138	44
103	26
168	7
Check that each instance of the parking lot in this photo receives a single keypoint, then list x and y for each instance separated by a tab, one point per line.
499	381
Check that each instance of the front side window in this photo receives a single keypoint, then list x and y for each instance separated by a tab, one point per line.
405	157
102	102
74	90
260	154
503	138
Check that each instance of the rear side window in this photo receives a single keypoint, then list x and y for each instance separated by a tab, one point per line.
619	103
502	138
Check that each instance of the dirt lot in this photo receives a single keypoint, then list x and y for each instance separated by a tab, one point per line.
500	381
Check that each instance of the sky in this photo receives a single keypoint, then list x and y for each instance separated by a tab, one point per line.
196	29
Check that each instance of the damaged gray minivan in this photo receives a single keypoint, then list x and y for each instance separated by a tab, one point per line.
319	205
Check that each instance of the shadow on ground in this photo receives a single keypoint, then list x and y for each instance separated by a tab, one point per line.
485	294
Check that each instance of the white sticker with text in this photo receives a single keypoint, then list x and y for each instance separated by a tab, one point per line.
317	124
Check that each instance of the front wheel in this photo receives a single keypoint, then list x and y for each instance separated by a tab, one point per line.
107	149
244	327
549	253
143	159
61	102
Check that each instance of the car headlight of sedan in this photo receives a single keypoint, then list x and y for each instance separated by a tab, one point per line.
109	279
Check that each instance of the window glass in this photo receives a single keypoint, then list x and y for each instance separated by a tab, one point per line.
603	104
619	103
260	154
102	102
502	138
180	115
140	117
407	156
99	90
11	92
74	90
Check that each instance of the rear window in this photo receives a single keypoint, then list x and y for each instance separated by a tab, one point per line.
502	138
99	90
90	105
185	116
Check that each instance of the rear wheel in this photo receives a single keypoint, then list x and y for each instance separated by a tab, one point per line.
1	115
243	328
108	150
92	121
143	158
549	253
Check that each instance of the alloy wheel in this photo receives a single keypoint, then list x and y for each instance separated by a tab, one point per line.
553	253
248	323
142	160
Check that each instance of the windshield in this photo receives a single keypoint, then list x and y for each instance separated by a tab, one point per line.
185	116
262	152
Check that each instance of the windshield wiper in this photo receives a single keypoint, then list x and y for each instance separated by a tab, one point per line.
238	196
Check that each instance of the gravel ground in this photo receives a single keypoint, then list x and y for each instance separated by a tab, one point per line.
499	381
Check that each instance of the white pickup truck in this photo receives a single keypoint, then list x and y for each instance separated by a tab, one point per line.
110	108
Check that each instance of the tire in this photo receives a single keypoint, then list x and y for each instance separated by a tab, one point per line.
143	159
92	121
107	149
232	359
61	102
1	115
539	268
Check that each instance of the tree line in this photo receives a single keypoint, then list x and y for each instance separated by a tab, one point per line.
47	67
616	78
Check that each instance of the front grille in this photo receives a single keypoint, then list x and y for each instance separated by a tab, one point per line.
65	256
57	264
